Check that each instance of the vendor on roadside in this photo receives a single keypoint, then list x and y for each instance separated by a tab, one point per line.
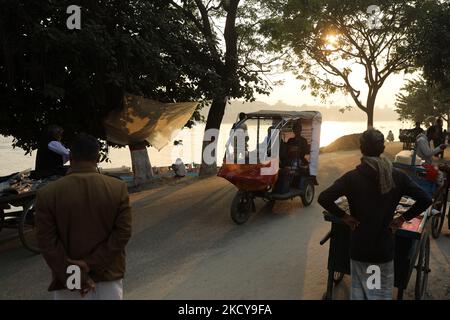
423	148
373	190
51	154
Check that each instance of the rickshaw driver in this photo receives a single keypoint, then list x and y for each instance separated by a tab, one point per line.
292	154
297	147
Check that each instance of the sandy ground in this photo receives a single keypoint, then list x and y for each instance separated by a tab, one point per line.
185	246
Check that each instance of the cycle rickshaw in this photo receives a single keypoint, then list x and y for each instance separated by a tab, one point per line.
253	166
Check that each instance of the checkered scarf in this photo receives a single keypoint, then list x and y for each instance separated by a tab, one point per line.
383	167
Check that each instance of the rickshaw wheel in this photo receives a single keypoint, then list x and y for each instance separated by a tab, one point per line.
308	196
241	207
2	218
422	269
437	220
27	229
337	277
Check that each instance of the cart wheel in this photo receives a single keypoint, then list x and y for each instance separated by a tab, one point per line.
308	196
27	229
400	294
2	218
422	269
328	295
241	207
325	296
437	220
337	277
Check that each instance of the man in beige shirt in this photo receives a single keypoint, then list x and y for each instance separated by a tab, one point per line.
84	220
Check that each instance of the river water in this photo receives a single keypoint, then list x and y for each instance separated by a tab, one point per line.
12	160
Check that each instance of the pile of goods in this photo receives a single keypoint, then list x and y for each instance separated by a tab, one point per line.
20	182
414	225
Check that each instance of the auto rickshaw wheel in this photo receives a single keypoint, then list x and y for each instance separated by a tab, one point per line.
27	229
422	269
308	195
241	207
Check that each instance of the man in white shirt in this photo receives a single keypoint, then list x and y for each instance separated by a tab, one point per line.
52	154
423	148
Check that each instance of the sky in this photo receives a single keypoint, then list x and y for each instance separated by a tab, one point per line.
291	93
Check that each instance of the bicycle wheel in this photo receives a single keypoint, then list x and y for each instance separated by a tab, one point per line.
423	268
437	220
27	229
2	218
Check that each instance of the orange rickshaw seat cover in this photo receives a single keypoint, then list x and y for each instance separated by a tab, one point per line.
248	177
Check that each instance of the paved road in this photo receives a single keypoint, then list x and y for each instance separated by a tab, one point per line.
185	246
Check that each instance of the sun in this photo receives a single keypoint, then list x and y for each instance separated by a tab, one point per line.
331	39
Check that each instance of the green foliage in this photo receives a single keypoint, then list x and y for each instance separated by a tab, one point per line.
423	102
330	42
429	40
49	74
239	57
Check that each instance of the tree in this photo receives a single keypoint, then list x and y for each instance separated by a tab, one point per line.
423	102
429	42
49	74
230	28
336	48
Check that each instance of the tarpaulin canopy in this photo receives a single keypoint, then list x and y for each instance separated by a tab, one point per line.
148	120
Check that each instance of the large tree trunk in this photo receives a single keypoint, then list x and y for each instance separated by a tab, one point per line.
229	81
369	118
214	120
140	161
371	106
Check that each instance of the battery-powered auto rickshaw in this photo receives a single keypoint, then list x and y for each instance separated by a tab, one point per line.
272	155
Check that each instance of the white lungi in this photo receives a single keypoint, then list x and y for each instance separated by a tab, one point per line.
360	277
108	290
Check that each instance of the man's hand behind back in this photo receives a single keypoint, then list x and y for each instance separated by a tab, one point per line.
396	223
350	221
87	284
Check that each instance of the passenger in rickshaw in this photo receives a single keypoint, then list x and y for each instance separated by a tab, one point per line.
292	158
242	126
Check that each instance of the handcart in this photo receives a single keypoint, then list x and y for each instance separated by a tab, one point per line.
412	251
22	220
412	240
437	189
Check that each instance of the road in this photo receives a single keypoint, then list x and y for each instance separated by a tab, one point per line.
185	246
